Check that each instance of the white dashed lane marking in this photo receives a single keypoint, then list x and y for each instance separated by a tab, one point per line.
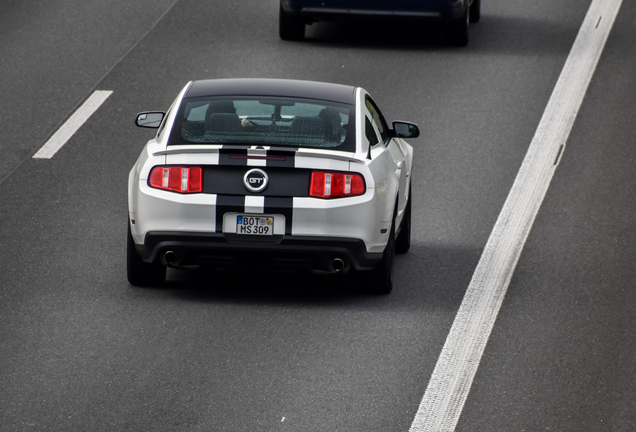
72	125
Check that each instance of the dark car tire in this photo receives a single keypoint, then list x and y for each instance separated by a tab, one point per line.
458	30
290	27
403	240
380	279
475	11
141	273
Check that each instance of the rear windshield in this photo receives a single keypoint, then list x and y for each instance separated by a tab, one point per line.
265	121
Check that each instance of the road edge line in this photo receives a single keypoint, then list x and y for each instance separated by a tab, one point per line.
450	383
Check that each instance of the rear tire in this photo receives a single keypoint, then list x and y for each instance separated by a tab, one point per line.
380	279
458	31
141	273
403	240
475	11
290	27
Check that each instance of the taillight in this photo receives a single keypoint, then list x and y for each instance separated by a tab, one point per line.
335	185
180	179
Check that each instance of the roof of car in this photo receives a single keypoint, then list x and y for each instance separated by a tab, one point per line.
273	87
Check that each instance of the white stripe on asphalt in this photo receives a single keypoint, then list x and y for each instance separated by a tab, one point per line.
452	378
71	126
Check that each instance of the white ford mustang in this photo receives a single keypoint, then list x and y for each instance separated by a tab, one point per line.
271	174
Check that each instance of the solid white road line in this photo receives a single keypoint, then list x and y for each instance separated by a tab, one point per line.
452	378
71	126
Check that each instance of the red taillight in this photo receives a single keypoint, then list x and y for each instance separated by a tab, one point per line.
180	179
335	185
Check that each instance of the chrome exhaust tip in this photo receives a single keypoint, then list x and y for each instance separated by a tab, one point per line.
338	265
169	258
335	266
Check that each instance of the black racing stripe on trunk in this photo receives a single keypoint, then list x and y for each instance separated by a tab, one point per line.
273	158
281	158
225	159
281	205
225	204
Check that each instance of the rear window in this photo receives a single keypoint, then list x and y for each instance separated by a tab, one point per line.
265	121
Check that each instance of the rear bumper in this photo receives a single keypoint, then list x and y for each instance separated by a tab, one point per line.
233	251
315	10
333	14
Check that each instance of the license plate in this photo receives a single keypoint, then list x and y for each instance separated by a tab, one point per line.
254	225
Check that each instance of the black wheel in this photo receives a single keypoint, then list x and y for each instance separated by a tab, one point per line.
458	30
403	240
380	279
475	11
290	27
141	273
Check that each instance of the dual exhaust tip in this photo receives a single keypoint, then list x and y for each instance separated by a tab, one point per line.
336	266
169	258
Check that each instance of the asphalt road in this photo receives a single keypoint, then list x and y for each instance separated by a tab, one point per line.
80	349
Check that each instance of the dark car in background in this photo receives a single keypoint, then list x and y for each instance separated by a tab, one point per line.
455	14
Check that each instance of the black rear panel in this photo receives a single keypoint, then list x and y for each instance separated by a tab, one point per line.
283	182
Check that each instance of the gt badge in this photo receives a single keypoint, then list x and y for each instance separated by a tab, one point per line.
255	180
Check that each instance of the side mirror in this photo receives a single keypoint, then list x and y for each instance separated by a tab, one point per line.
405	129
150	119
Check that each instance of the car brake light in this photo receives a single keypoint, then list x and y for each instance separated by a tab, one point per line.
180	179
335	185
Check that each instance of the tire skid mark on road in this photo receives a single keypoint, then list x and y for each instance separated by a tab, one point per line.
450	383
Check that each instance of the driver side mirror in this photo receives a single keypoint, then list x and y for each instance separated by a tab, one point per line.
150	119
405	129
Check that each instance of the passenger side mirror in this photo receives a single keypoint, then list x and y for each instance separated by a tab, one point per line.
405	129
149	119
